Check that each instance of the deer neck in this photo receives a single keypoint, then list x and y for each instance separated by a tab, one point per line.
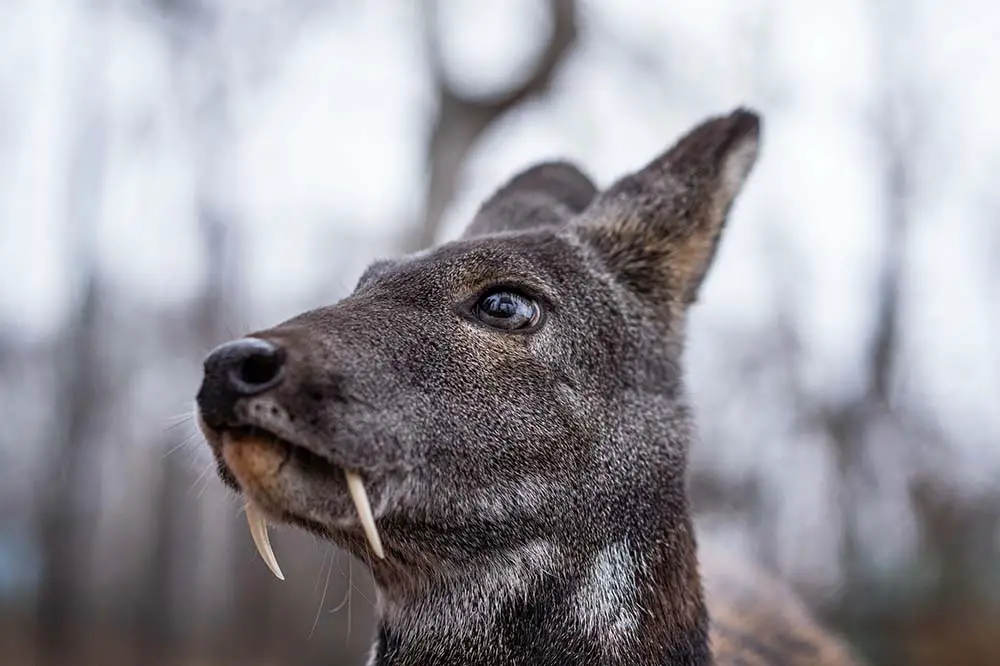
636	599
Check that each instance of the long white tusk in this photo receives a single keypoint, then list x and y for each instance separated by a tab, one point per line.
360	496
258	530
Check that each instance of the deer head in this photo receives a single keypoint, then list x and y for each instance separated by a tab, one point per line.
497	426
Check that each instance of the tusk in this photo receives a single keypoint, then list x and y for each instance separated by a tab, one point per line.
360	496
258	530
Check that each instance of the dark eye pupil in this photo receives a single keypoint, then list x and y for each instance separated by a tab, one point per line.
507	310
500	305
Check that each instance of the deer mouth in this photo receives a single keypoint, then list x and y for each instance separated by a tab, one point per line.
255	459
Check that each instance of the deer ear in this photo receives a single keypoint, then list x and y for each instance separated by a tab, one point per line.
548	194
657	229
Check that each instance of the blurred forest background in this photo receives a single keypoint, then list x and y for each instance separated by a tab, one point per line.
174	173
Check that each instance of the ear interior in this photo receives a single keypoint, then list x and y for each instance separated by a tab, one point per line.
548	194
659	227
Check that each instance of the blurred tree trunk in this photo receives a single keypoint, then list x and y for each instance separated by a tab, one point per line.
62	514
462	119
80	392
893	131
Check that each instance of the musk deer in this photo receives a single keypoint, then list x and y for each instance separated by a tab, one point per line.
498	428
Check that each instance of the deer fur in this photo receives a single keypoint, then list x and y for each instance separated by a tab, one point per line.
529	485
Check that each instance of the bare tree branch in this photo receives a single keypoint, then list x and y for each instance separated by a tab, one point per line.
897	184
462	118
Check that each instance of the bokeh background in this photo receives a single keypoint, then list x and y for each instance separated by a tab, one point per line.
174	173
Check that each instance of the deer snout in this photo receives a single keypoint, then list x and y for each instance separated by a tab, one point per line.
234	370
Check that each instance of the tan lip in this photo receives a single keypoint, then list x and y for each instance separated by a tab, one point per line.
254	462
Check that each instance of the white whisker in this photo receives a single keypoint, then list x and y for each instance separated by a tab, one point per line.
180	445
347	595
326	587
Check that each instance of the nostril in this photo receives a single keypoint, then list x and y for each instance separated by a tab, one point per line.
260	369
238	369
242	367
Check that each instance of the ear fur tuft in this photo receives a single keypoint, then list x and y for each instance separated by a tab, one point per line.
658	228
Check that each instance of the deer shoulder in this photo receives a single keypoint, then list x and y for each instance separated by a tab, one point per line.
756	620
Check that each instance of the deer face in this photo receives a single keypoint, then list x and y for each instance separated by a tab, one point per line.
519	385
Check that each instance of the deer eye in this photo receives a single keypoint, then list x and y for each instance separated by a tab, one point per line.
507	310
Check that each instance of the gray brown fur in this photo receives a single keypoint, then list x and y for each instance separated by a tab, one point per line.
529	486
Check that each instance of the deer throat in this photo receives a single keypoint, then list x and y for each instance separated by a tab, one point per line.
621	603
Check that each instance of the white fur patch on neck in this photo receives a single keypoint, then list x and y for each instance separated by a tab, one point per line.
607	603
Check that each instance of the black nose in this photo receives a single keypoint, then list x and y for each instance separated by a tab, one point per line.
235	370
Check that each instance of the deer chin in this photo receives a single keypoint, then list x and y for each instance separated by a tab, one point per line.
257	460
